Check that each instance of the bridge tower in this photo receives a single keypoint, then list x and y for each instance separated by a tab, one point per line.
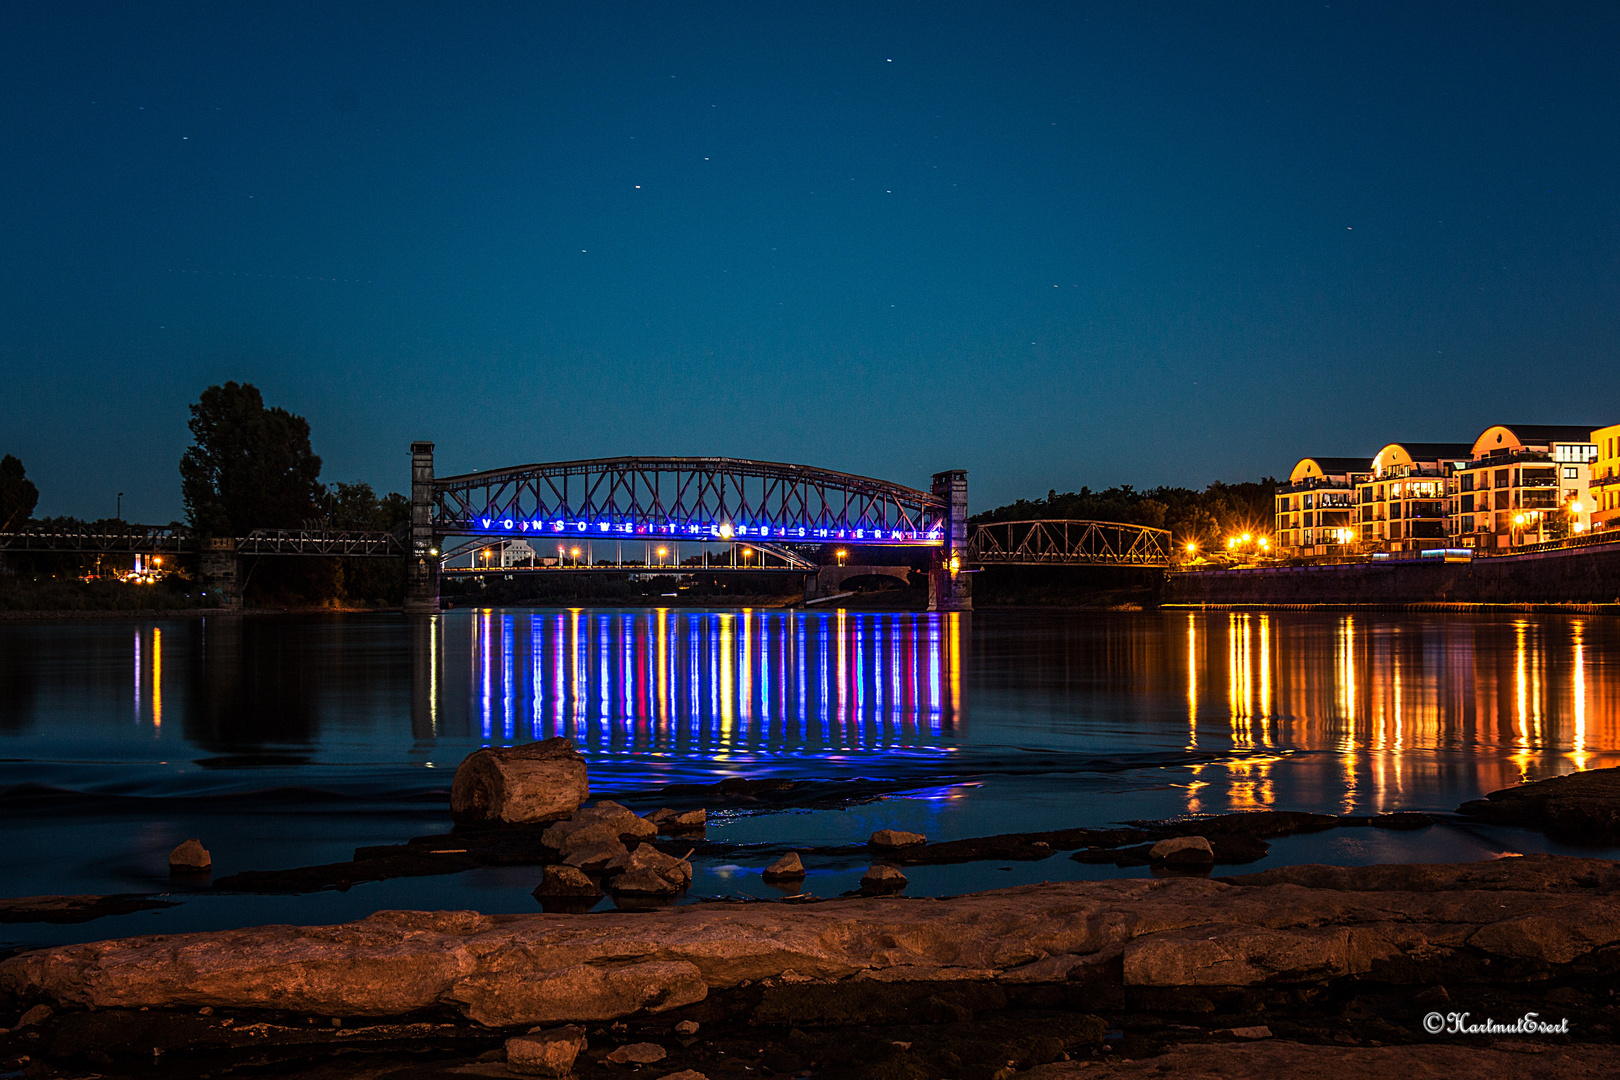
949	586
422	582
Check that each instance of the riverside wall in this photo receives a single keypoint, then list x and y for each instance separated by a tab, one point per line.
1589	575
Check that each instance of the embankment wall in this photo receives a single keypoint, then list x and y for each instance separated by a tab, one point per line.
1589	575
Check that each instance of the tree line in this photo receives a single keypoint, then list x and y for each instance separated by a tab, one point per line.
250	466
1204	517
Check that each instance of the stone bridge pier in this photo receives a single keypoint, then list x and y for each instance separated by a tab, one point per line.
221	571
422	581
950	588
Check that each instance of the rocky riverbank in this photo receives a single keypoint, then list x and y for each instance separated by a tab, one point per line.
1323	957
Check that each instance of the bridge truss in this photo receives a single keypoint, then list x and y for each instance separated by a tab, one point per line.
176	540
1068	543
693	499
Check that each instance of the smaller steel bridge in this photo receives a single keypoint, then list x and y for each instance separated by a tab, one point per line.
1063	542
178	540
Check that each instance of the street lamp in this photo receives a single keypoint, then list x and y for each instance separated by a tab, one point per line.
842	555
661	553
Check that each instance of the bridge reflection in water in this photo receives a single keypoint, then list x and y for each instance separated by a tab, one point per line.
714	683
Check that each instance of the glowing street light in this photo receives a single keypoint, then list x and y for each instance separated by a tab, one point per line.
661	553
842	555
1192	547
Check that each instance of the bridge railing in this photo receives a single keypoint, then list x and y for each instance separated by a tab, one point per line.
344	542
696	499
1057	542
133	540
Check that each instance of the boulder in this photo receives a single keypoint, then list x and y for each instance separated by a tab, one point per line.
787	867
1183	851
36	1016
638	1054
545	1053
642	883
882	878
646	858
563	881
570	836
598	858
190	857
539	781
890	839
594	825
685	1074
666	820
686	1027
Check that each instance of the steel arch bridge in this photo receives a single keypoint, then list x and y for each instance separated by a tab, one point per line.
1061	542
711	499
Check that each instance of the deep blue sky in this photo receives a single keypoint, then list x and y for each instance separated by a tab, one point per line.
1054	245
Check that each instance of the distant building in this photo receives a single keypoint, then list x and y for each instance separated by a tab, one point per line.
1315	508
517	553
1402	505
1522	485
1604	479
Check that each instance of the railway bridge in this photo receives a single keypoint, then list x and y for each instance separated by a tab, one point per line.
777	510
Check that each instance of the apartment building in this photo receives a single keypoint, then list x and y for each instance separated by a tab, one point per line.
1315	509
1604	479
1403	504
1523	484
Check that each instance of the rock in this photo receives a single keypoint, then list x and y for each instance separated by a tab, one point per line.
882	878
1540	920
598	858
893	838
648	859
1258	1031
788	866
190	856
642	883
686	1027
1183	851
587	827
566	881
538	781
666	820
638	1054
1581	806
545	1053
75	909
36	1016
568	837
1304	1061
684	1074
578	992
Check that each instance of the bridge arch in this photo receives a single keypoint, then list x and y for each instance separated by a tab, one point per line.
694	499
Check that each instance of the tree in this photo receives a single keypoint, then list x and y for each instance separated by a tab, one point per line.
18	495
250	467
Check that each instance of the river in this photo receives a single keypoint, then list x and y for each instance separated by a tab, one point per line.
286	741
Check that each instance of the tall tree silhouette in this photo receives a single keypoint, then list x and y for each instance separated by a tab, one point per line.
250	467
18	495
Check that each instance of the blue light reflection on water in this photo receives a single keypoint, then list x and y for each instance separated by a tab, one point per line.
733	682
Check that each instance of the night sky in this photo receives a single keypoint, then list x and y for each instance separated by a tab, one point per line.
1054	245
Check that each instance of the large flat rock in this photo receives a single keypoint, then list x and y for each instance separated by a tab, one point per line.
1507	919
1497	1059
1581	806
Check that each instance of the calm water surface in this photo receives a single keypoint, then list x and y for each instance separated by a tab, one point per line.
287	741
